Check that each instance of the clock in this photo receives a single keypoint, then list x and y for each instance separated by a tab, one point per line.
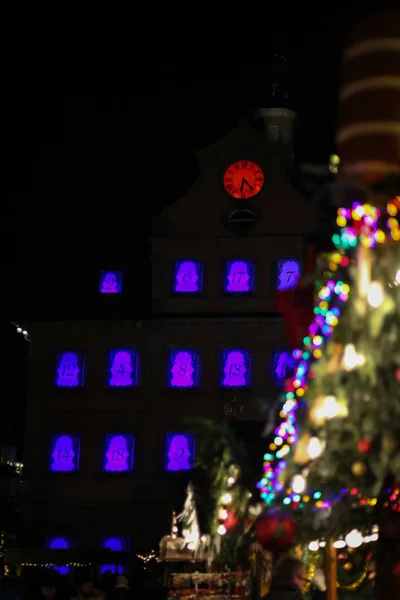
243	179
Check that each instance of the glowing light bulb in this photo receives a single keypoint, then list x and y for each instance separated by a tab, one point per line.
314	448
375	294
351	359
231	480
221	530
223	514
313	546
397	278
339	544
298	484
354	539
226	499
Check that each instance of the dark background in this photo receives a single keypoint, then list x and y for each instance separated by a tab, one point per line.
83	180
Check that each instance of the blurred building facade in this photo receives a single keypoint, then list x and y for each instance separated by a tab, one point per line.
107	445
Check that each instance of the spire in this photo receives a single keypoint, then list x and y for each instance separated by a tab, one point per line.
280	94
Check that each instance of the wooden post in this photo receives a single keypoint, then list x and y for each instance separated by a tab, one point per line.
331	572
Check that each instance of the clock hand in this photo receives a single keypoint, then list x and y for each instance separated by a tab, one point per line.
242	184
244	181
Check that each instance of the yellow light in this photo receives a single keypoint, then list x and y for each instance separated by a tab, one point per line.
396	235
300	392
319	504
272	447
323	305
341	221
317	353
380	236
373	501
336	258
393	224
332	266
306	499
392	209
334	321
282	414
345	289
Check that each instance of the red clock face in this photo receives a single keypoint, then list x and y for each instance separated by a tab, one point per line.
243	179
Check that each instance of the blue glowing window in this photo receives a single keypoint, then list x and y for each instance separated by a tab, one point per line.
179	452
235	368
122	368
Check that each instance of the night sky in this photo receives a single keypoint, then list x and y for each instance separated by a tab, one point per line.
82	185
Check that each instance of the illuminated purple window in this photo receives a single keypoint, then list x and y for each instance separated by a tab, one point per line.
236	368
239	277
118	453
70	369
288	273
115	569
188	277
60	542
64	454
115	543
283	365
122	368
183	368
110	282
179	451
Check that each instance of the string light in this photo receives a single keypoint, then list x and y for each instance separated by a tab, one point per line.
22	331
362	223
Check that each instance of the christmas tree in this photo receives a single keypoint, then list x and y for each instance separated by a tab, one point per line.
335	458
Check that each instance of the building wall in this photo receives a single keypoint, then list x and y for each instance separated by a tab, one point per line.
90	503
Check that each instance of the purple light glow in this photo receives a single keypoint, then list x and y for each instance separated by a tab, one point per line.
58	543
179	452
110	282
64	454
239	276
183	368
115	543
283	366
188	275
118	453
235	368
288	273
70	369
122	368
115	569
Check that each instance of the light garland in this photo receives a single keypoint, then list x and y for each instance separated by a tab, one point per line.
358	224
22	331
352	587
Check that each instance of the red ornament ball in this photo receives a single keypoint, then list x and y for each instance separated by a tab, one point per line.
231	520
275	531
364	446
397	374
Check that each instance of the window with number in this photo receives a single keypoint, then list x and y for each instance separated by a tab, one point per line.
64	453
110	282
288	273
70	369
118	453
122	368
179	452
283	365
183	367
235	368
239	277
187	277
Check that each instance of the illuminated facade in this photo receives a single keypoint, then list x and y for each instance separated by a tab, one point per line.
106	444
